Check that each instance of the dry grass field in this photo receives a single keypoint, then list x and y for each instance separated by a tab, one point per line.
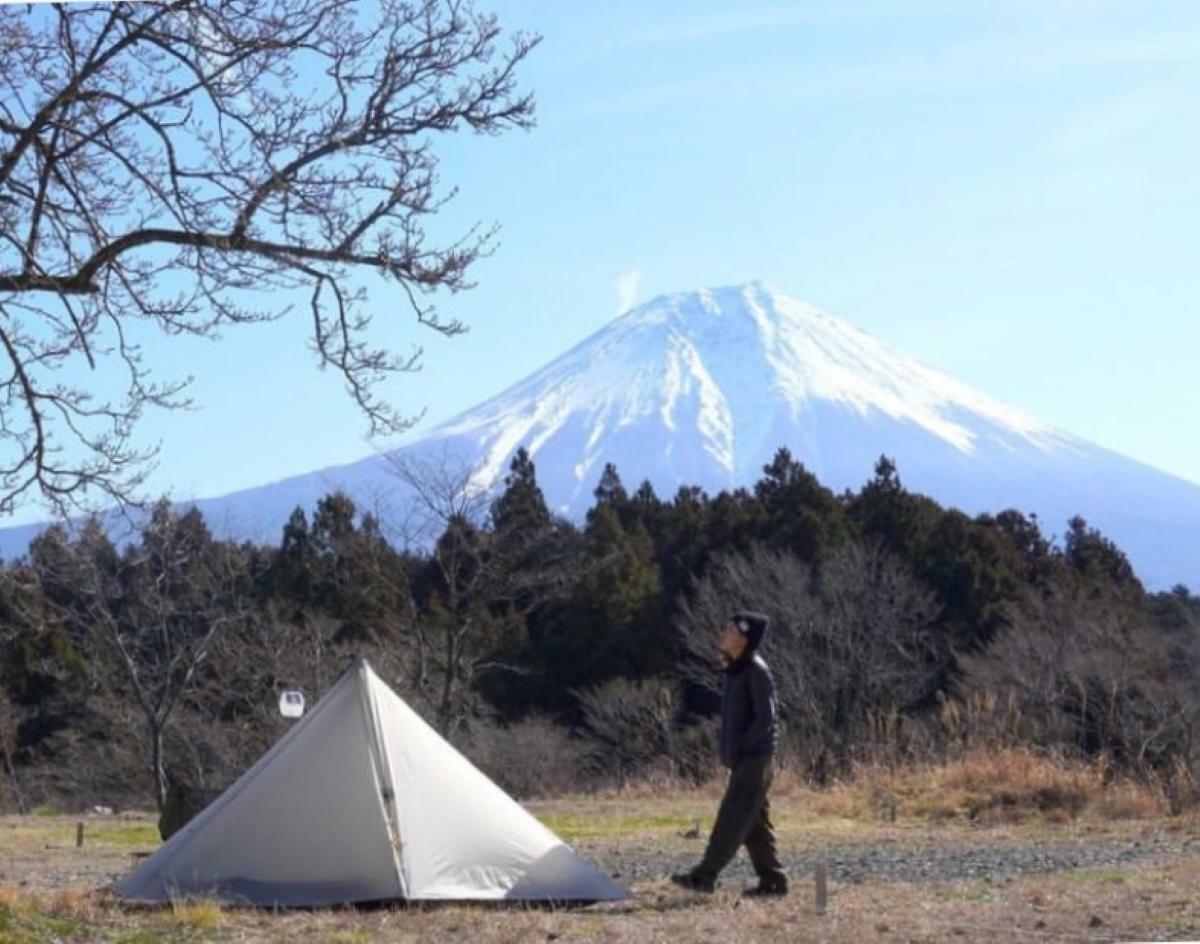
997	848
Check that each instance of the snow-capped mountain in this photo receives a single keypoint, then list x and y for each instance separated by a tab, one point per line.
715	381
701	388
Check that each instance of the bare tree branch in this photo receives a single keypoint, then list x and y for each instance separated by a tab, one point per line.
176	162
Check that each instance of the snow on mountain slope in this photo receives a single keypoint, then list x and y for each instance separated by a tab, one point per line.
701	388
726	369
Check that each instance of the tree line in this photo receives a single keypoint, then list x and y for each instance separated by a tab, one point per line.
561	655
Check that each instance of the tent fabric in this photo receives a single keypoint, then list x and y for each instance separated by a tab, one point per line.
461	834
362	801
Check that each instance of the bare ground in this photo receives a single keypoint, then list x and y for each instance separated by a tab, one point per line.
1094	879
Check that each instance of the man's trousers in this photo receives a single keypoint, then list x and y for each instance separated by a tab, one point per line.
744	818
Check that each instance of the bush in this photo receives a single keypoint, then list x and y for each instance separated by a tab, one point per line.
531	758
630	730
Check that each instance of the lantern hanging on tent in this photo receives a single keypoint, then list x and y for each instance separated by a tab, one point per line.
291	704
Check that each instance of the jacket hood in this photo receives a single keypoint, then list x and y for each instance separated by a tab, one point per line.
753	626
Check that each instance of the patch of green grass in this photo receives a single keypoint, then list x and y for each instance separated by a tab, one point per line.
61	927
124	834
349	937
605	825
977	890
142	936
19	936
31	926
47	809
1101	876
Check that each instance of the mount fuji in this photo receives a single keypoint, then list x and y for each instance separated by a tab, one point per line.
701	388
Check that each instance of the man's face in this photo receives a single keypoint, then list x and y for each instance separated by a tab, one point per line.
731	643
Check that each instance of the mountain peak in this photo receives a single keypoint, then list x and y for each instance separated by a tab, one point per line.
755	303
716	300
737	368
700	388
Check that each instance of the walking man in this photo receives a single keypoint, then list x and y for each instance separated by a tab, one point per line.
749	736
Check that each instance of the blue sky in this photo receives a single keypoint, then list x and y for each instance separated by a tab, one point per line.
1005	190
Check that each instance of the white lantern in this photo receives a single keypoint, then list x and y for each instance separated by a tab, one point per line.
291	704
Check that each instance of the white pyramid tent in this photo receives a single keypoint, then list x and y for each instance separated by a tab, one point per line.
362	801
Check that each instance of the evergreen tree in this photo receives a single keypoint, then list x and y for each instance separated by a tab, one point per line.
734	521
293	570
800	514
1176	611
610	626
885	510
610	493
521	508
1095	557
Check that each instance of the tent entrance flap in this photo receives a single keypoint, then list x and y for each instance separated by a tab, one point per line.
382	768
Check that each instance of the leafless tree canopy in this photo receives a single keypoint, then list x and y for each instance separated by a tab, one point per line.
161	161
149	619
851	641
1092	673
483	587
631	726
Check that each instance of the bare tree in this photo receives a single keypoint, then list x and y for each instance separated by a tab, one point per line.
163	161
534	757
10	718
1092	674
853	638
483	588
445	514
148	620
248	667
631	727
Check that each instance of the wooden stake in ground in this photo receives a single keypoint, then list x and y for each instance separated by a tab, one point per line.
822	888
78	835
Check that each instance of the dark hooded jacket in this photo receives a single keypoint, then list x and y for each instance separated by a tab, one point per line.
749	726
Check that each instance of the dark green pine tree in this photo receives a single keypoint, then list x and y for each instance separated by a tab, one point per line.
333	537
618	598
521	508
293	570
609	624
645	507
1022	531
734	521
333	524
974	572
353	569
682	542
1176	611
883	509
43	665
1094	557
801	515
610	493
526	547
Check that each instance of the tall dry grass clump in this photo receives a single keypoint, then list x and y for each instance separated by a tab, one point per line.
77	903
197	914
1001	785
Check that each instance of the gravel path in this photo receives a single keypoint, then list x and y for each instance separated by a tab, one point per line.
907	860
920	856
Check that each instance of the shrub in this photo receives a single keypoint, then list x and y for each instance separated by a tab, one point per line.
532	758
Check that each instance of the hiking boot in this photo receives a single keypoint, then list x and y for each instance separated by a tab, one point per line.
772	889
695	883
